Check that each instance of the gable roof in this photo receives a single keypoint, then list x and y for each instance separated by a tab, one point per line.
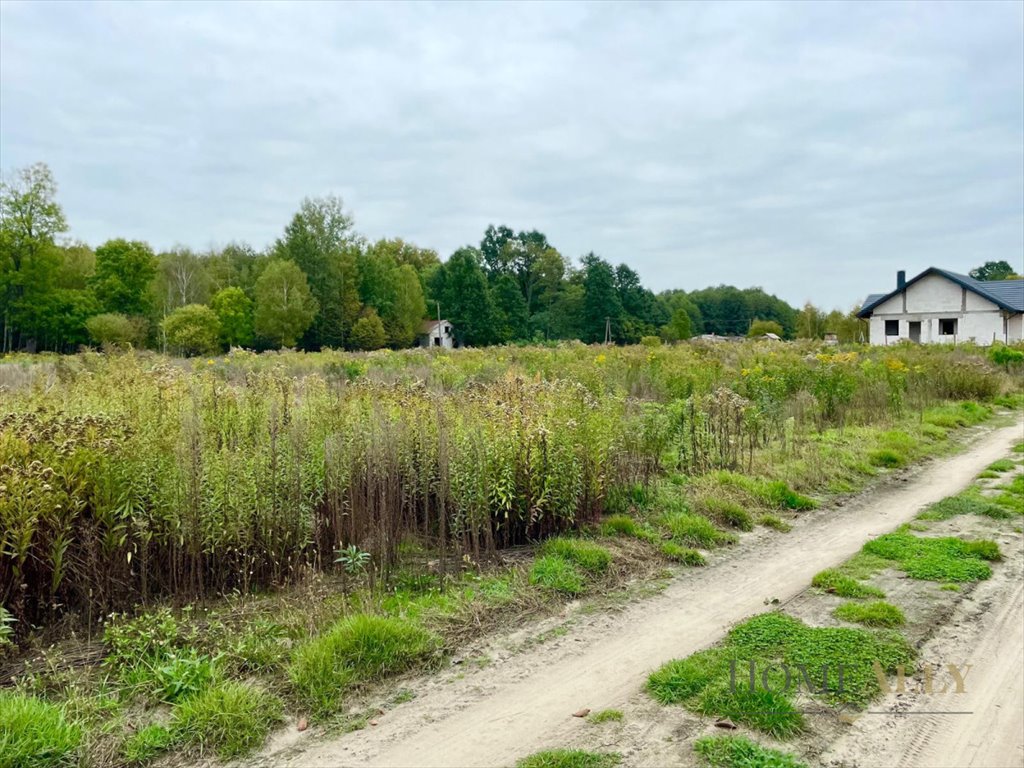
1005	294
428	326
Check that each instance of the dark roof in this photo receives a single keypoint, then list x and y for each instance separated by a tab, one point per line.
1005	294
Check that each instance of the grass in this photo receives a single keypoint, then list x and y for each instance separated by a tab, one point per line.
727	512
570	758
606	716
887	458
557	575
35	733
947	559
684	555
591	557
774	522
702	682
146	743
967	503
357	649
620	525
741	752
877	613
838	583
229	719
696	531
1002	465
774	494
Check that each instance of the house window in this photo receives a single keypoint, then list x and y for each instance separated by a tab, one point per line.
947	327
892	327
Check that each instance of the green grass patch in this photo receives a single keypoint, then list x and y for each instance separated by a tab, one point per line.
591	557
887	458
606	716
1003	465
1018	448
771	493
147	743
877	613
557	575
968	503
838	583
355	650
950	587
230	719
727	512
946	559
570	758
35	733
863	566
684	555
702	682
696	531
620	525
741	752
774	522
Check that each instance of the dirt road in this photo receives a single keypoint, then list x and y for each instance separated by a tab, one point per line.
526	703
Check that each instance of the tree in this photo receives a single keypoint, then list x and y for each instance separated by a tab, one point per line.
192	330
30	220
511	317
113	328
181	279
234	312
368	332
679	326
993	270
762	327
123	273
285	308
320	241
810	323
600	301
460	285
409	309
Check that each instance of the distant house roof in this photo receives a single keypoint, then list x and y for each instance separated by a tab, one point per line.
428	326
1005	294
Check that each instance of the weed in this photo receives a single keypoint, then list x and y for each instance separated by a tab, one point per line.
570	758
874	614
776	523
683	555
836	582
950	587
591	557
146	743
357	649
741	752
696	531
557	575
34	733
936	559
230	719
606	716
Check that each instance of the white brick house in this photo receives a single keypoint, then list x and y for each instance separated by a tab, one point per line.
939	306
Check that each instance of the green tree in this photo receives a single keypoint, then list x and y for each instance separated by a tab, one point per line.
234	312
122	278
761	327
409	309
460	285
30	220
113	328
511	317
285	308
679	327
601	300
321	242
993	270
192	330
368	332
181	279
810	322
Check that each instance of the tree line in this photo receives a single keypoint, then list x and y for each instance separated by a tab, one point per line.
322	285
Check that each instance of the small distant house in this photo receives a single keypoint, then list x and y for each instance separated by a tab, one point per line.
939	306
437	333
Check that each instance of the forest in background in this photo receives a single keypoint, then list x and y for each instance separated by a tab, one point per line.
322	285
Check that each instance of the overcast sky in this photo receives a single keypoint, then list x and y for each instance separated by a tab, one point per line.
809	148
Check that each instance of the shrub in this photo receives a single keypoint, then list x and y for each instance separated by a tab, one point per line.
113	328
230	719
874	614
557	575
357	649
192	330
34	733
570	758
832	580
683	555
741	752
587	555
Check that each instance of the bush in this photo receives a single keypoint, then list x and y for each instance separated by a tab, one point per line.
368	332
874	614
587	555
557	575
34	733
114	328
192	330
230	719
357	649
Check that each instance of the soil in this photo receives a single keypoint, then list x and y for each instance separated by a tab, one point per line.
515	694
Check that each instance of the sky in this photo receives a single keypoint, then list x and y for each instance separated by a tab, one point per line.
812	149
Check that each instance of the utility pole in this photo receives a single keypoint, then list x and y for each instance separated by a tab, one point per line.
607	330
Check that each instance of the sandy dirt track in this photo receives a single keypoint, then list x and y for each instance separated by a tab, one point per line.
526	703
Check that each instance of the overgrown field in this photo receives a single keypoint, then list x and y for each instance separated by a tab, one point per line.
129	477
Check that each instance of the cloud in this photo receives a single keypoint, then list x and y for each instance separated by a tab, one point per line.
812	149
